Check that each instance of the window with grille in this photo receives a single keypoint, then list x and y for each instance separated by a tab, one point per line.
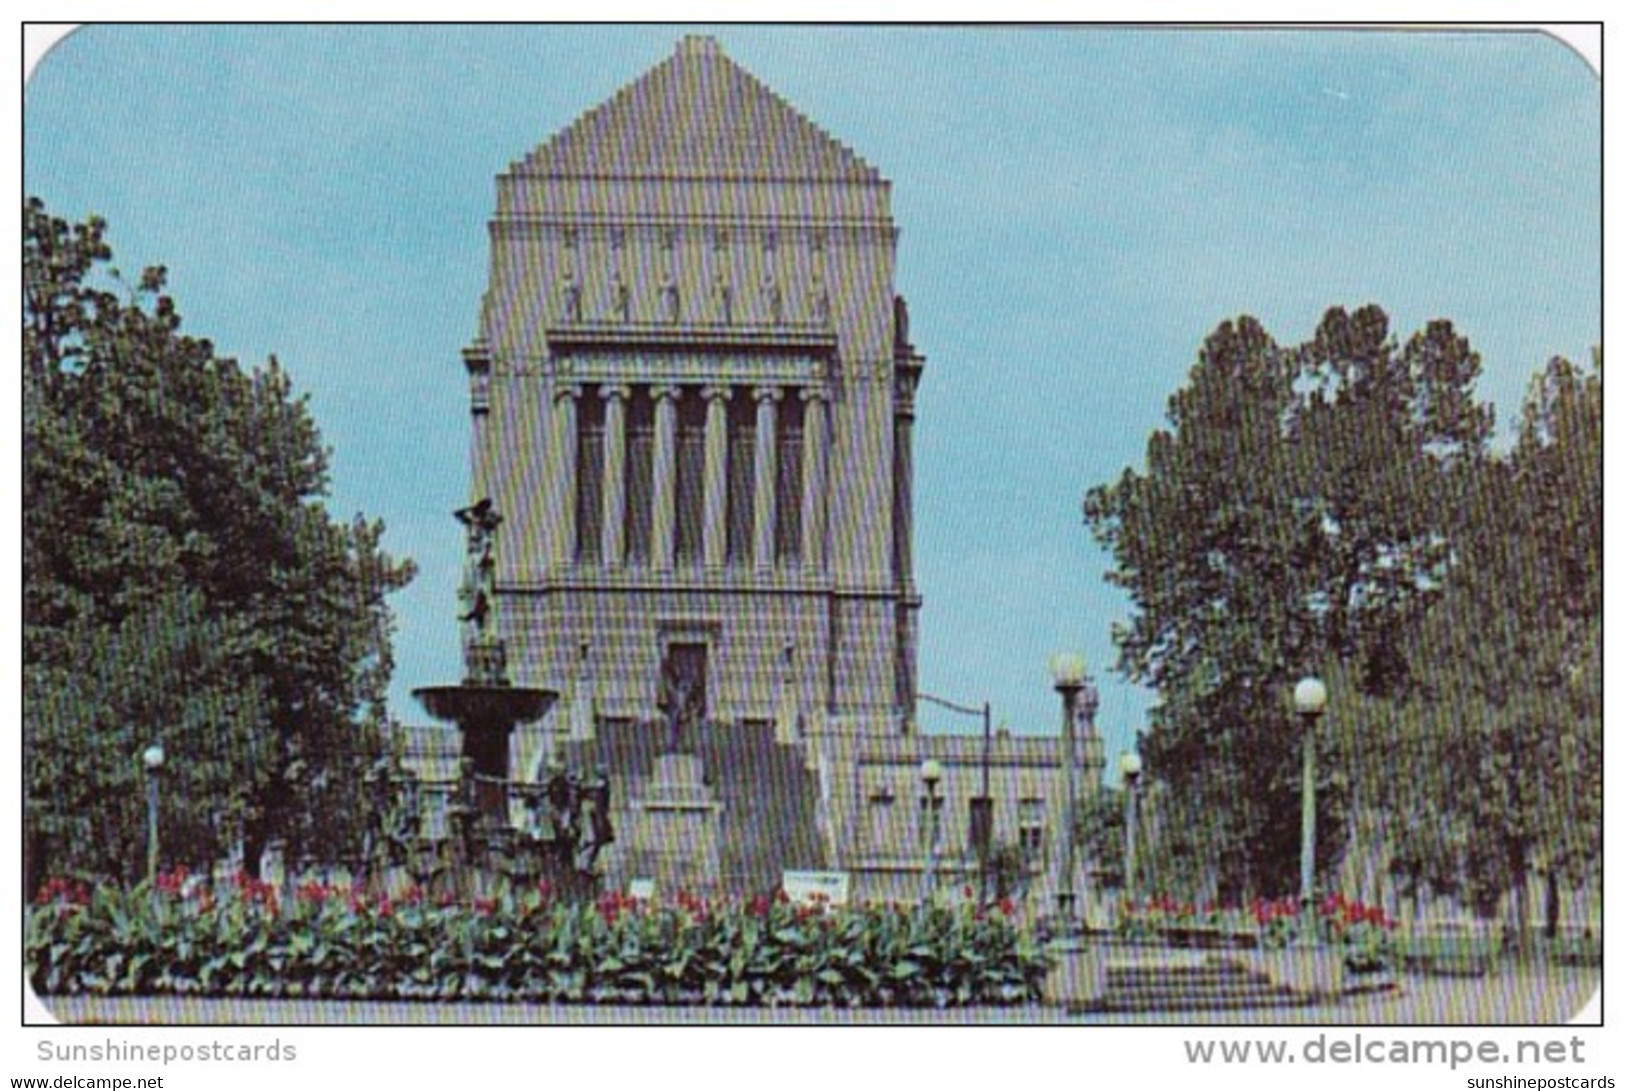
741	478
690	477
640	455
590	481
787	516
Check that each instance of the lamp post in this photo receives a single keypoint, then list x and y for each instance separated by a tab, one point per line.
931	776
1309	698
1067	671
152	760
1129	765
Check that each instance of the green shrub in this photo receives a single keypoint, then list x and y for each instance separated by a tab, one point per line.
333	944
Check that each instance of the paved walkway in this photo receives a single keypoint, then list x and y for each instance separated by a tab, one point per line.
1511	997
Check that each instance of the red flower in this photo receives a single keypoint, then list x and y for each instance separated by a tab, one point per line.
1007	906
759	906
69	892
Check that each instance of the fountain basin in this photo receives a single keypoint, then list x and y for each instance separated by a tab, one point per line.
485	716
486	706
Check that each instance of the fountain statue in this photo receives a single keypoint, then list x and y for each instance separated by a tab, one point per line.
569	813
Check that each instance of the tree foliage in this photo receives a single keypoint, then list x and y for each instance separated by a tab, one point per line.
1334	508
1514	647
1287	522
183	582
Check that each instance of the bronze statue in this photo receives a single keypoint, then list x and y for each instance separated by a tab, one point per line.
678	700
478	592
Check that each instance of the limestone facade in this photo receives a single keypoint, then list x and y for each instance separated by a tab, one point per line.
692	394
692	400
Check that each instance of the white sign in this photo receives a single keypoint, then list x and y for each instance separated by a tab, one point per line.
641	889
831	886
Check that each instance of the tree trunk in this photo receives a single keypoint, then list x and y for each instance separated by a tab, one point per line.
1554	904
1520	912
254	844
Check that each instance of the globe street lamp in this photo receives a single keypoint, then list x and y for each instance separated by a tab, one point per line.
1309	698
1067	672
152	760
1129	765
931	776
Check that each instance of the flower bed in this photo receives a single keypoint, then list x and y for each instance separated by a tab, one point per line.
1363	932
334	944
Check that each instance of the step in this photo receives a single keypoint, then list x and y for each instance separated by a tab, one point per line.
1203	994
1124	1004
1155	976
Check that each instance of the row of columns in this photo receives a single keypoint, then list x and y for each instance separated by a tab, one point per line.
714	539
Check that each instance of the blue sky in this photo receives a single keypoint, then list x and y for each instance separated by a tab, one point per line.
1078	209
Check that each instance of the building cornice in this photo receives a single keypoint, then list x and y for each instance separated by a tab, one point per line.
718	230
787	338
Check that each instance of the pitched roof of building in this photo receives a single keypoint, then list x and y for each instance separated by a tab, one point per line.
697	114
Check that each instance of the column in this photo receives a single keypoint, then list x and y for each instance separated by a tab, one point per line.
562	474
903	478
615	399
716	475
762	521
662	546
812	480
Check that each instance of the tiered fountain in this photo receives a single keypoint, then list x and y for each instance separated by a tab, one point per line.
486	706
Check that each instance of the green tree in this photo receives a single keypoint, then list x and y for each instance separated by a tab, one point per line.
1514	689
183	583
1287	522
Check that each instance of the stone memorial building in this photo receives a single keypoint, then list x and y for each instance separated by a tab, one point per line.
693	400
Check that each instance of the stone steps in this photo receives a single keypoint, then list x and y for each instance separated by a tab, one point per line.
1209	986
769	801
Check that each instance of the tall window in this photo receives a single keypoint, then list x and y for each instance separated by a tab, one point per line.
590	481
930	820
640	457
690	476
1030	813
883	833
787	498
741	477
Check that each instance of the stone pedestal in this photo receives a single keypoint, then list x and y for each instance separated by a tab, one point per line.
1077	974
676	830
